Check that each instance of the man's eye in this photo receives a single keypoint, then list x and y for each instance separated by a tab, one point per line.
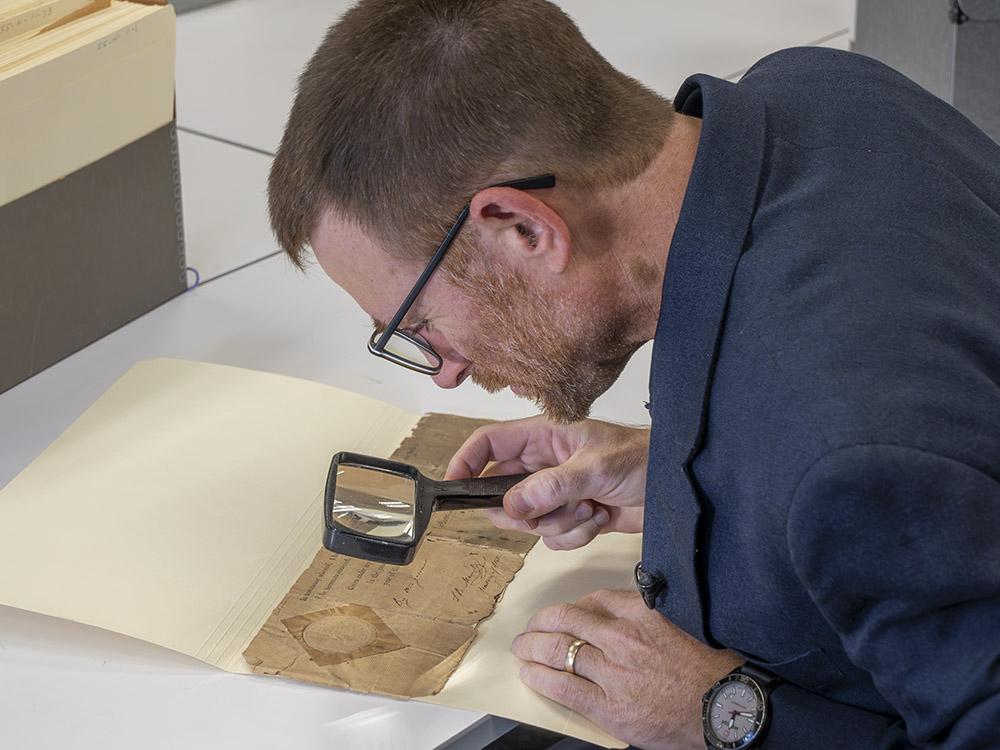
418	328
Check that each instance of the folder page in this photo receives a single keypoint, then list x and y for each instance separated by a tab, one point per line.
183	505
21	18
104	86
32	49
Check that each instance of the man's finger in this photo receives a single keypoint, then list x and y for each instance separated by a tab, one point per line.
502	468
566	518
575	538
500	519
571	619
574	692
552	650
470	459
495	442
547	490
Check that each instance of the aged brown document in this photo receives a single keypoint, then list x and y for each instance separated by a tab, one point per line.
388	629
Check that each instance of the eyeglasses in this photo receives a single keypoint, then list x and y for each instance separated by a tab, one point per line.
410	349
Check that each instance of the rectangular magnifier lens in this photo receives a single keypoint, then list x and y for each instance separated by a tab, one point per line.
374	503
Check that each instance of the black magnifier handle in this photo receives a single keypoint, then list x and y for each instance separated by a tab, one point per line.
477	492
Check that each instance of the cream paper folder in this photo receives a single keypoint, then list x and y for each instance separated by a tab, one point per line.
182	506
179	507
19	19
69	107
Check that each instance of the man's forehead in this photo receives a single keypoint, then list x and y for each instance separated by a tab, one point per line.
377	280
334	230
344	247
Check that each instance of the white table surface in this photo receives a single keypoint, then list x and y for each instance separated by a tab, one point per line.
64	684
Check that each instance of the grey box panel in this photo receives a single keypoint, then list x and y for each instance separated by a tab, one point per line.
976	88
950	48
182	6
87	253
981	10
913	36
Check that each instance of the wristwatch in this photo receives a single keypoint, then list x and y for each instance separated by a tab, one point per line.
736	710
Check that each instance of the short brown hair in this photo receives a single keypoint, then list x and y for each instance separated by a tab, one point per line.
409	107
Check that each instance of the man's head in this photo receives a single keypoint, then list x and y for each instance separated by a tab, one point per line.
409	109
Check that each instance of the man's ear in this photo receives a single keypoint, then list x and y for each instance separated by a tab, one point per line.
521	226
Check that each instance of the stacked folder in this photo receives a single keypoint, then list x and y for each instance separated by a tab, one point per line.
91	234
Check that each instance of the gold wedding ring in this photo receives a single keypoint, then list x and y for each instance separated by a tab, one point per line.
571	655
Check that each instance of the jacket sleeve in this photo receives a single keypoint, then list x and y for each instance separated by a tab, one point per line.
900	550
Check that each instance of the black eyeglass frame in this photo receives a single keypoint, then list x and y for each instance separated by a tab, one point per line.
378	341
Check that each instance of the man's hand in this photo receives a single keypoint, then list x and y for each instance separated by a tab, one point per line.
638	676
590	477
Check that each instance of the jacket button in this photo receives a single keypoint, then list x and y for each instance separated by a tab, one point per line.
650	585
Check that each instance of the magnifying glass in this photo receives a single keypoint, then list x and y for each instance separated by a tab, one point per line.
378	510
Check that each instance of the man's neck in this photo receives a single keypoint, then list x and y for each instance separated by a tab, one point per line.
642	216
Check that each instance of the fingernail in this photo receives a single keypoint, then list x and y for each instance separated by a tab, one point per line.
601	517
519	502
524	671
584	511
513	644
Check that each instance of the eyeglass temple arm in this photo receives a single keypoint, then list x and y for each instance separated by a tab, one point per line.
419	286
531	183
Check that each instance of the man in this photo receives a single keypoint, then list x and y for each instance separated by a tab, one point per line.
815	252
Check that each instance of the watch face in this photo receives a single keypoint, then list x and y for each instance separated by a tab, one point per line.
733	713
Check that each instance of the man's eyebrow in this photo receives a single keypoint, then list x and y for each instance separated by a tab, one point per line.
381	326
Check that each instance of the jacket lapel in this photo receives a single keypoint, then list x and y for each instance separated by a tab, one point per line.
709	238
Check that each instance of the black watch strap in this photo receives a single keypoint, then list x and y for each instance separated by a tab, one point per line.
767	680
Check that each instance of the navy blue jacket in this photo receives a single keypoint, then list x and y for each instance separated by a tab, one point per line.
823	493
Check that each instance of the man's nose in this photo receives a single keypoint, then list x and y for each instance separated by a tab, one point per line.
454	370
